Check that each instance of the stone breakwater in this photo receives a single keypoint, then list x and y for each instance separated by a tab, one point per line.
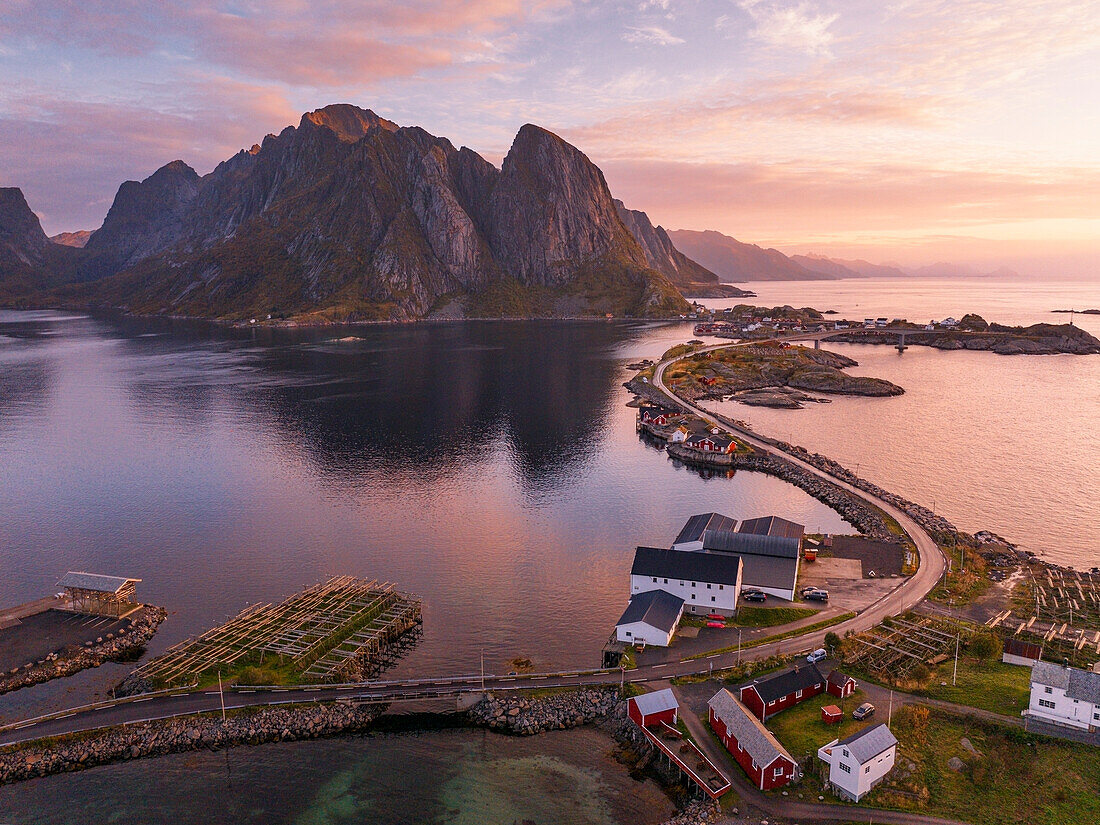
526	716
866	519
67	661
85	750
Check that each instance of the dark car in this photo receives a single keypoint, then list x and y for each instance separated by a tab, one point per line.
864	711
817	596
754	595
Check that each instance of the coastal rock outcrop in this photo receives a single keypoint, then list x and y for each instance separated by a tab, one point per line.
525	715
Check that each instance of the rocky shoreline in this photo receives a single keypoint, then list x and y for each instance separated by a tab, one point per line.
79	751
110	647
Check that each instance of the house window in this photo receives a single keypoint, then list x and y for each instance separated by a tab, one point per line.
798	694
721	587
844	767
666	581
1043	703
846	754
708	586
693	584
712	598
628	633
867	769
681	584
654	579
1048	690
754	765
771	703
778	772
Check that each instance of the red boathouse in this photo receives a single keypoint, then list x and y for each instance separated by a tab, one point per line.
766	762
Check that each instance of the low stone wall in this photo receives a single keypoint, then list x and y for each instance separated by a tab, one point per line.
112	646
525	716
85	750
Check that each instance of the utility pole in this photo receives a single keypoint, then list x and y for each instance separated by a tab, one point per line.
955	674
739	647
221	695
890	709
483	670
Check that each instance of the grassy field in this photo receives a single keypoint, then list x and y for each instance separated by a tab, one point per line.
1015	779
770	616
992	686
802	731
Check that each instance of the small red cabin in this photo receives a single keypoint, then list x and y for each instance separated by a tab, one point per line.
840	684
831	714
653	708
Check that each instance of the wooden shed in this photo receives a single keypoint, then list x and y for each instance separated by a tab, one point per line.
831	714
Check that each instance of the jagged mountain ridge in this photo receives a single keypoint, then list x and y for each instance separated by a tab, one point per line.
353	217
29	262
691	278
734	260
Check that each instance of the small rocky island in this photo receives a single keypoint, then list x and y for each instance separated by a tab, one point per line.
974	333
770	374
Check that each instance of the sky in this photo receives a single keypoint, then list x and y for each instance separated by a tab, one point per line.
906	130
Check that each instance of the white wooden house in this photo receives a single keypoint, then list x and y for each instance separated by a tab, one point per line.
859	762
1065	695
707	582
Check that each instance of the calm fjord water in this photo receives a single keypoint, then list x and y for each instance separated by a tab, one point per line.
489	467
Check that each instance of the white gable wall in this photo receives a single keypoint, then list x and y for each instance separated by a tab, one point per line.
1052	704
639	632
852	779
699	597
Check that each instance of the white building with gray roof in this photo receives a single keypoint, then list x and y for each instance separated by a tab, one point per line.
861	761
1065	695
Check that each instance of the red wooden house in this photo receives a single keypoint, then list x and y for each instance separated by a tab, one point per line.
766	697
653	708
657	416
840	684
757	751
711	443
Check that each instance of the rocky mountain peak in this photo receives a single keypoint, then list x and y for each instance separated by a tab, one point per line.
349	123
21	232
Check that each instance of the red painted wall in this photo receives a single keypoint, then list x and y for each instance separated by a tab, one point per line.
751	699
745	761
849	686
667	716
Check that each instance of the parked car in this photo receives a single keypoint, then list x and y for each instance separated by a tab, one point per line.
817	596
754	595
864	711
817	656
805	591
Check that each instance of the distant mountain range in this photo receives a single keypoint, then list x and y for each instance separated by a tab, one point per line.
349	216
736	261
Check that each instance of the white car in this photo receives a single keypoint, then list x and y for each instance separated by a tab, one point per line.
817	656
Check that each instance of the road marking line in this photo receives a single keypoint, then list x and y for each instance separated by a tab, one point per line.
533	678
347	687
657	666
714	655
570	675
279	690
175	695
146	699
246	691
210	693
66	716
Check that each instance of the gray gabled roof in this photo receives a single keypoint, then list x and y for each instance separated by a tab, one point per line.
745	544
801	677
749	731
1083	685
693	529
685	565
654	607
772	526
768	571
95	581
656	702
868	743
